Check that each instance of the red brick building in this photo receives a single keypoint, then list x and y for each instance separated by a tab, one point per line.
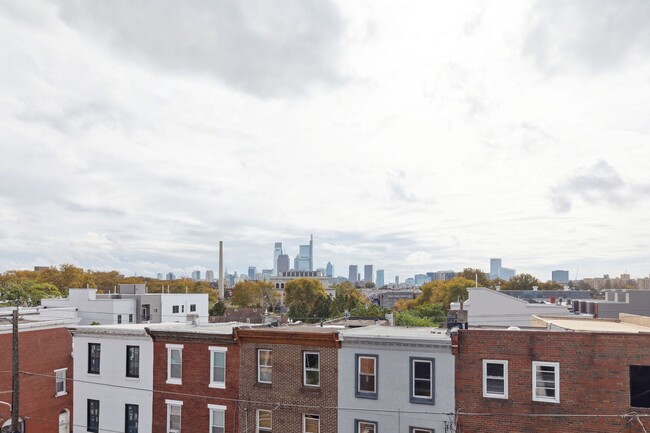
288	379
46	375
553	381
196	378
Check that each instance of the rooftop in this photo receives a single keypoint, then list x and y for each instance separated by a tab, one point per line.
593	325
420	333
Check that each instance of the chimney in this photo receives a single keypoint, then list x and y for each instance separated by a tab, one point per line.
221	289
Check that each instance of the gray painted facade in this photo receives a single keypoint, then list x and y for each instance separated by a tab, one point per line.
394	407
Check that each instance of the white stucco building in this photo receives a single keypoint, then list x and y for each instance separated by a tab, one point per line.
395	379
113	379
132	304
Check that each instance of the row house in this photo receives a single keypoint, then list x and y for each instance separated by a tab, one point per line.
575	375
46	370
195	378
288	379
113	379
394	379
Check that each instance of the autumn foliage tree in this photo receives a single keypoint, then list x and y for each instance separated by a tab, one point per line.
306	299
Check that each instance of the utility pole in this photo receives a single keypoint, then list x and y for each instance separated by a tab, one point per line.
15	401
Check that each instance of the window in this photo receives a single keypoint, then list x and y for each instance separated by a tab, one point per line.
420	430
175	309
639	386
119	319
366	377
182	308
217	418
264	366
310	424
94	354
130	318
495	378
365	426
546	381
174	363
422	380
192	308
132	361
131	418
174	416
92	420
60	381
311	369
264	421
217	366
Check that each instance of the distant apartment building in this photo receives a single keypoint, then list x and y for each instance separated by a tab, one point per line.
353	274
421	279
380	278
441	275
46	373
498	271
132	304
367	274
384	371
283	278
196	275
329	270
113	379
195	378
559	276
615	303
288	379
388	299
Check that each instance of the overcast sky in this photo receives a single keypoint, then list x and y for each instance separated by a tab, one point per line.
415	136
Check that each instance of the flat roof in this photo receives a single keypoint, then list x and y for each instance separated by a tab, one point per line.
211	328
595	325
412	333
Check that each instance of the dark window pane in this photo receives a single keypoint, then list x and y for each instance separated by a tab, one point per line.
422	370
495	370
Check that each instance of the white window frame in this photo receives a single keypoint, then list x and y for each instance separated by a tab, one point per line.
174	380
58	379
217	408
360	392
170	404
487	394
556	367
305	369
304	421
215	383
358	425
259	429
259	380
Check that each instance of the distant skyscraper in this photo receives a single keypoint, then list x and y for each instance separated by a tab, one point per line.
277	250
159	276
561	277
252	270
498	271
421	279
209	276
329	270
367	274
171	276
196	275
304	261
397	280
352	275
283	263
380	278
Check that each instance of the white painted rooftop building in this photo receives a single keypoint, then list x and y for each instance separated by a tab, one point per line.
132	304
487	307
113	378
395	379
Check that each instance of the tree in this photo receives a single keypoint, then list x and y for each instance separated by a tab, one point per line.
247	294
347	297
369	285
521	282
550	285
444	292
218	309
304	298
472	274
368	310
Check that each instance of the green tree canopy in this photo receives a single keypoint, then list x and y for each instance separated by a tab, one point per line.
305	299
472	274
521	282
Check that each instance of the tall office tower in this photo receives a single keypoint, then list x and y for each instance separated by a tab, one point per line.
209	276
352	275
329	270
397	280
367	274
252	270
196	275
159	276
283	263
171	276
561	277
379	281
495	268
277	250
305	259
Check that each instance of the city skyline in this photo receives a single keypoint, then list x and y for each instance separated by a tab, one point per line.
419	138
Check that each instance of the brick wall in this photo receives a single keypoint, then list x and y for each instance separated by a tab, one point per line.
287	388
194	391
41	351
594	379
